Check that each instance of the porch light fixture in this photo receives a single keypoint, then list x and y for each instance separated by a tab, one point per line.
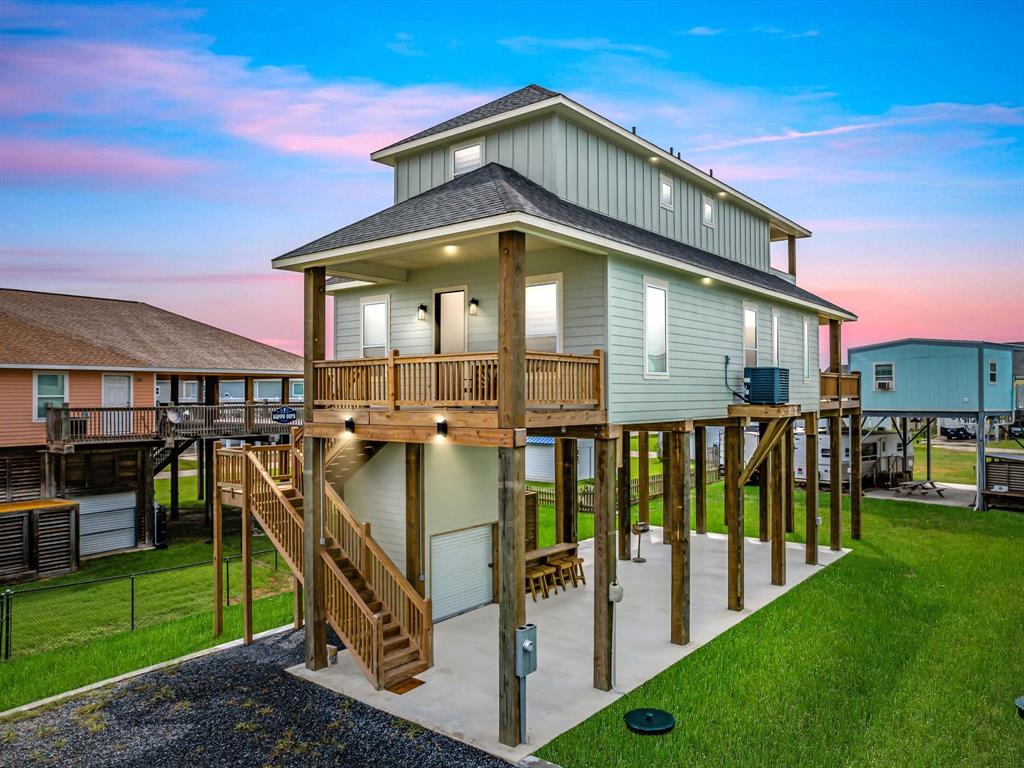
350	425
474	306
421	312
451	250
442	428
706	280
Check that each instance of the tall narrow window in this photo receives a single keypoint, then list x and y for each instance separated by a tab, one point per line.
543	325
655	328
667	193
467	158
749	337
807	350
776	358
375	327
993	372
51	391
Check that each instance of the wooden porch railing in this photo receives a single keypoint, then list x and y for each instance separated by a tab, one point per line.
457	381
272	509
163	422
836	387
412	612
360	630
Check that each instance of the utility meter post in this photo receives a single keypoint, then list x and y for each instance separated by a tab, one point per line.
526	662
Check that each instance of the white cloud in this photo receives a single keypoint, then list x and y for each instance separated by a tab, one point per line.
531	44
403	45
704	31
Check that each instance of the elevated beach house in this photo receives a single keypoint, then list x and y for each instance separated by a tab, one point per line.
542	272
97	396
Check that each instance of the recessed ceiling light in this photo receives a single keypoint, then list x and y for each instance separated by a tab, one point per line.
721	194
451	249
706	280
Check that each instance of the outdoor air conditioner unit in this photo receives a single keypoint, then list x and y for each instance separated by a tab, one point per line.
767	385
884	386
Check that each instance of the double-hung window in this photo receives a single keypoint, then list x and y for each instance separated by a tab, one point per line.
189	391
993	372
776	357
883	376
467	157
655	328
49	390
543	313
807	350
374	331
749	336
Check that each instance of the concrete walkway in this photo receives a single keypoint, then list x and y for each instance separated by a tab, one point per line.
460	694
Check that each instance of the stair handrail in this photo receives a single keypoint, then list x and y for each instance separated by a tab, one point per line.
410	609
261	475
364	642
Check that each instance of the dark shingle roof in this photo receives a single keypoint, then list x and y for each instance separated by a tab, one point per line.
59	329
524	97
494	190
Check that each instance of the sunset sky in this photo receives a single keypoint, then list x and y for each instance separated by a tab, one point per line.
166	152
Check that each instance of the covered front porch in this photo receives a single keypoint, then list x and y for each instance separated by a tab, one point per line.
460	696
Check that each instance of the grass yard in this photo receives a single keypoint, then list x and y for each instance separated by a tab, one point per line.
948	465
907	652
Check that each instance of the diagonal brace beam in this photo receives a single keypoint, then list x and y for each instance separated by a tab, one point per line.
774	433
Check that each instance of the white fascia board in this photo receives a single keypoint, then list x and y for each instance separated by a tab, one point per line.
136	369
387	156
347	285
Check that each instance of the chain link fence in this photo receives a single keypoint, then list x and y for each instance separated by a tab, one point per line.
38	619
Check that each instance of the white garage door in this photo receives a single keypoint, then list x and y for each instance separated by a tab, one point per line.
460	572
106	522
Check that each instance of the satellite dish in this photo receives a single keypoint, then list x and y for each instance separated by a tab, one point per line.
173	415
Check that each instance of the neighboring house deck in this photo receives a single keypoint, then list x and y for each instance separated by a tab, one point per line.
542	272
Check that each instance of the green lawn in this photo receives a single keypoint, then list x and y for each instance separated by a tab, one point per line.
907	652
948	465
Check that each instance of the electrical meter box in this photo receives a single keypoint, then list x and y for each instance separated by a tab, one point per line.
526	650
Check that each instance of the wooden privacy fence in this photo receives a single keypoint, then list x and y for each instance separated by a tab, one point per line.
463	380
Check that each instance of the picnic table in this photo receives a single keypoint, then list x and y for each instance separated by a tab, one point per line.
923	487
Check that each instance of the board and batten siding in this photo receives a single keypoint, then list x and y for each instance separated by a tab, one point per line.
705	325
583	304
376	495
586	169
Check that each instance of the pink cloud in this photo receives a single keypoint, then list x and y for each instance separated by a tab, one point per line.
31	159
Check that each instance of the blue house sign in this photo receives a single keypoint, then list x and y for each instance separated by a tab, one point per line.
284	415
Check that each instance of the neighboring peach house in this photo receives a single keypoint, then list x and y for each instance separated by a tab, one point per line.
96	395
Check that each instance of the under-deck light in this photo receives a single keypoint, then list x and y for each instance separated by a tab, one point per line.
442	428
474	306
421	312
706	280
451	250
350	425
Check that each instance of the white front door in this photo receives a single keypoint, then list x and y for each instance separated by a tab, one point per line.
451	322
460	571
117	393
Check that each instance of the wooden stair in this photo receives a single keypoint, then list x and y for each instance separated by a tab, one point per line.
345	457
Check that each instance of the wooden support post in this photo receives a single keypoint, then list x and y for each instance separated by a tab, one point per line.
811	473
763	492
511	476
668	461
792	254
855	478
604	560
624	500
296	603
700	439
414	510
313	474
246	548
211	396
680	535
285	383
734	513
218	563
788	479
835	483
774	467
175	467
644	471
566	489
250	399
928	450
200	469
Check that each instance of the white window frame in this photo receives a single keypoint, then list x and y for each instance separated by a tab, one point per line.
655	282
746	305
776	340
807	351
183	388
892	376
708	200
35	391
384	299
256	390
292	397
556	278
993	372
665	179
465	145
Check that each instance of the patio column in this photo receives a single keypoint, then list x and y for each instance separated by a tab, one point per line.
835	429
211	396
566	486
679	479
250	398
855	470
788	481
643	442
246	548
313	474
218	561
763	490
604	559
811	474
700	440
511	476
414	508
774	467
624	498
174	394
734	513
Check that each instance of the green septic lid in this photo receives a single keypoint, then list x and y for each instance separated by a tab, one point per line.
649	722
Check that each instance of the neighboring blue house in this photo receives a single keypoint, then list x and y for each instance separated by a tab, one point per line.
934	378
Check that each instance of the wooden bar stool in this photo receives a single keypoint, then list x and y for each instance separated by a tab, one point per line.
578	562
564	566
538	575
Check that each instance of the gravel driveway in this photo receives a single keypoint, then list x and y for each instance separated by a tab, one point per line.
233	708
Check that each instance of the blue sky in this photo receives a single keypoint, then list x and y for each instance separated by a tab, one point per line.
167	151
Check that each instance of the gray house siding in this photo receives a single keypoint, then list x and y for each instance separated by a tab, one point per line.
705	325
583	305
586	169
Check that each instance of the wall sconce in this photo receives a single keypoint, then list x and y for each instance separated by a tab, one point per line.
421	312
442	428
350	425
474	306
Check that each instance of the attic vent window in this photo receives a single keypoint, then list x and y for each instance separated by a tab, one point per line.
708	212
667	193
467	158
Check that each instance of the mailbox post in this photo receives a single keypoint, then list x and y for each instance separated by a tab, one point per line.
526	662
